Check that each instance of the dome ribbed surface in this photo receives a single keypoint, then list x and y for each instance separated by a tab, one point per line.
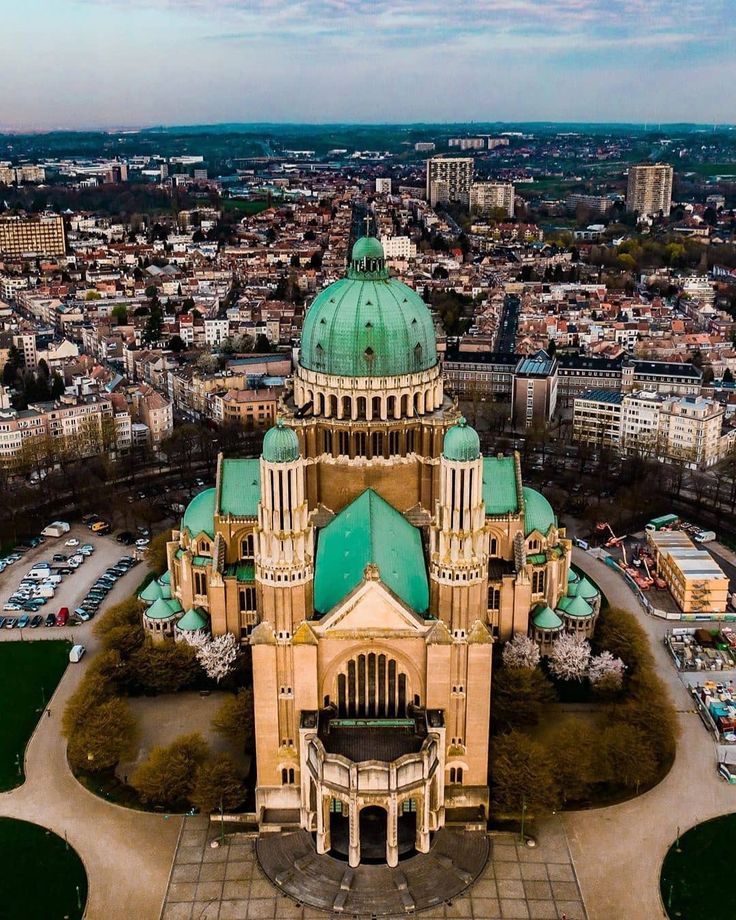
545	618
538	513
368	324
200	514
280	444
461	442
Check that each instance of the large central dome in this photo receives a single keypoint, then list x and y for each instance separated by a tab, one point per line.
368	324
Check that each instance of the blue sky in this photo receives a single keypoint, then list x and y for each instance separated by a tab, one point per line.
112	63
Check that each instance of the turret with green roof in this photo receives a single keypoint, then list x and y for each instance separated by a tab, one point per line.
280	444
461	443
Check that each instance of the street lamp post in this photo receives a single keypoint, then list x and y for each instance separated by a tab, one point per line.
523	817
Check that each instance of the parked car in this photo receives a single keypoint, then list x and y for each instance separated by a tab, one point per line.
11	606
100	527
142	543
23	621
83	615
72	541
50	620
126	538
59	557
76	653
62	616
86	549
36	621
9	622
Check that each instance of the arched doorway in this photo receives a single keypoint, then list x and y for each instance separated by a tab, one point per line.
339	829
373	832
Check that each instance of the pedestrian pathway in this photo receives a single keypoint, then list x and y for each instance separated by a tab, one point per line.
226	882
618	851
127	854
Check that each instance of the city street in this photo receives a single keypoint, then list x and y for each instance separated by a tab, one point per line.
627	842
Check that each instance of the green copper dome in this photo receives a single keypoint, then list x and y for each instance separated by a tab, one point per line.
200	514
280	444
575	607
461	442
367	247
538	513
545	618
368	324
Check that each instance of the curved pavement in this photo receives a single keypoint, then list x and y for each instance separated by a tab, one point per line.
127	854
618	851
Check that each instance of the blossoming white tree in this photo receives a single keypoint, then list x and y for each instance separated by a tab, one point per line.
217	656
521	652
606	670
570	657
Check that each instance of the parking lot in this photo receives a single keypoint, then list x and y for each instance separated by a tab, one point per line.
73	587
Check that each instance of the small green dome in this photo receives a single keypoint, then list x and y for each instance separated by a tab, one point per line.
163	610
152	592
368	324
586	590
545	618
367	247
200	514
538	513
572	576
192	620
280	444
461	442
575	607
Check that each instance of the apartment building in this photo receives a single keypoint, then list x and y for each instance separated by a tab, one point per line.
595	205
486	197
398	247
10	175
155	411
449	179
685	429
25	342
534	391
82	427
41	235
244	408
467	143
649	189
383	186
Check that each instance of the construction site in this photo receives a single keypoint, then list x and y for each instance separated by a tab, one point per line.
677	576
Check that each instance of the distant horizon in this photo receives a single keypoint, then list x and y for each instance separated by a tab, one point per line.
98	64
480	125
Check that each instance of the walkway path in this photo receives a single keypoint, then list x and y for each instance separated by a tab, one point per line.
127	854
618	851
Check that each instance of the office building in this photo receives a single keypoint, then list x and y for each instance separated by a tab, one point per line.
32	236
449	179
534	392
649	189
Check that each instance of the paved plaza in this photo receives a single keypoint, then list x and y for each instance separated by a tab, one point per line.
227	883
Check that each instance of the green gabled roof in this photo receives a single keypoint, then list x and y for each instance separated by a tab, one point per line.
165	579
152	592
201	560
537	559
240	487
243	571
538	513
499	485
575	607
200	514
545	618
192	620
367	531
162	610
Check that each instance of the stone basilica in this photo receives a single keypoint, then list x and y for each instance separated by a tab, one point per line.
370	558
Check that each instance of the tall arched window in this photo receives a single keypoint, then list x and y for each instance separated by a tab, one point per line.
247	548
372	685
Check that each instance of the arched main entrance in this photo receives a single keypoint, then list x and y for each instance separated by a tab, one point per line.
373	834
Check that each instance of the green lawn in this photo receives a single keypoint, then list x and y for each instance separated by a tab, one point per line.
29	673
42	877
697	882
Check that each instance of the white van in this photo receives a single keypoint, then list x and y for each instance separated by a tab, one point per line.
76	653
705	536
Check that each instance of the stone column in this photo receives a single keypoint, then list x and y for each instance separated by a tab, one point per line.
392	833
323	824
421	841
354	826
